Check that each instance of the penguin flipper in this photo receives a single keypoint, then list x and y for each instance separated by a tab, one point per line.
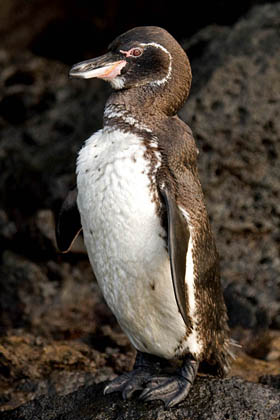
178	240
68	225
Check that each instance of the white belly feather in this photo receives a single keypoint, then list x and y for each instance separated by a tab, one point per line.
124	240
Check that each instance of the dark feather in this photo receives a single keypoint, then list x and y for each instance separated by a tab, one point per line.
178	239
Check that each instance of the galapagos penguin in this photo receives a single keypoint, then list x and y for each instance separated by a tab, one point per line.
141	207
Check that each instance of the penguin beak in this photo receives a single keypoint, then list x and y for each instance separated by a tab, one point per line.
105	67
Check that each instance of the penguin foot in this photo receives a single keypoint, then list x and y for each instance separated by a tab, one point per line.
171	389
128	383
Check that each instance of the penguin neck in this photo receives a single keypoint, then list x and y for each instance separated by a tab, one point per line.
137	105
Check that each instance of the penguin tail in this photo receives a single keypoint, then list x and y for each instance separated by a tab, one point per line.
219	363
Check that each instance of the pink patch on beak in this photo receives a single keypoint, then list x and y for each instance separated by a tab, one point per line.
112	71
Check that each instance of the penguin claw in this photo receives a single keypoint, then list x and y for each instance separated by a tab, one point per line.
128	383
116	384
170	390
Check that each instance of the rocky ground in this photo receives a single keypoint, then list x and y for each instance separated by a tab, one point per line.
57	337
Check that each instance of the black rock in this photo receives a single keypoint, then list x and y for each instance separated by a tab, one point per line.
209	399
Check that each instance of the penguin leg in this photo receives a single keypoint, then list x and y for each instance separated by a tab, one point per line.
172	389
144	368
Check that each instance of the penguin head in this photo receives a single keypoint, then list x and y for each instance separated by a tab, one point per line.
146	56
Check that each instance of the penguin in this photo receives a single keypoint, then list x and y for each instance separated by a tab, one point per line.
140	205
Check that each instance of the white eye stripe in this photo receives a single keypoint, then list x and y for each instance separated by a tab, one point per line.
156	45
168	74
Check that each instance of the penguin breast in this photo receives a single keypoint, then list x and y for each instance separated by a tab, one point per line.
126	242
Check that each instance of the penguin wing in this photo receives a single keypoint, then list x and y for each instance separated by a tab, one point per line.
178	240
68	224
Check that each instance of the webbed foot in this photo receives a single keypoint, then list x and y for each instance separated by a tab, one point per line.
171	389
128	383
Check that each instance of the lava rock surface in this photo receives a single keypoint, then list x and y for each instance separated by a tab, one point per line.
213	399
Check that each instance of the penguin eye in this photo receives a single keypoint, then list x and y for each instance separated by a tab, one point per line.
136	52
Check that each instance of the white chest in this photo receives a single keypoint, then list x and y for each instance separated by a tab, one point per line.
125	240
115	200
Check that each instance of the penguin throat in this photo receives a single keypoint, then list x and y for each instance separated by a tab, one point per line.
117	114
